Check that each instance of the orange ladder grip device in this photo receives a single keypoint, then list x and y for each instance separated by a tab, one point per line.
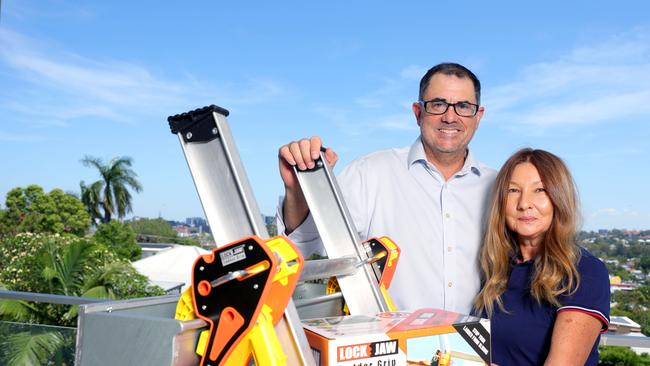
229	288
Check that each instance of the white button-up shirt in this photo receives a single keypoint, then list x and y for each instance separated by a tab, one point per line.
437	224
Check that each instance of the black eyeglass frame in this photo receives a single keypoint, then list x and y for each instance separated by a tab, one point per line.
423	103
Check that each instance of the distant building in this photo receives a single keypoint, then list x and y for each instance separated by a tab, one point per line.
622	325
182	230
199	223
268	220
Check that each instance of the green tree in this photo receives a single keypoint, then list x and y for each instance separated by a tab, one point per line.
91	198
33	348
120	239
117	178
30	209
644	263
621	356
65	265
159	230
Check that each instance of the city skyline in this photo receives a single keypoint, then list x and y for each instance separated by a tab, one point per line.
100	79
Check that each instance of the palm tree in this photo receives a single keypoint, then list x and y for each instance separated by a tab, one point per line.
117	178
91	198
65	270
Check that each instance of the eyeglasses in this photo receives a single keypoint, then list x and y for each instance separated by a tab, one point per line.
440	106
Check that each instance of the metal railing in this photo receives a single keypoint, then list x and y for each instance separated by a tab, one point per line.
608	339
48	298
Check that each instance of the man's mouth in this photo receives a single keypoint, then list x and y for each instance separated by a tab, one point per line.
448	131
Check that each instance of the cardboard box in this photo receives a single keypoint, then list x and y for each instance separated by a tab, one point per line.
422	337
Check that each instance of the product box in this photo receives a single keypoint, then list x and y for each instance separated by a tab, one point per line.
422	337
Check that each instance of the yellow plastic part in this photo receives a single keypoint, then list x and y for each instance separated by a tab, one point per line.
262	342
392	247
387	298
202	344
288	256
185	306
445	359
333	287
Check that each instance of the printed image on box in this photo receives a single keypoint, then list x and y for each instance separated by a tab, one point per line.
422	337
441	350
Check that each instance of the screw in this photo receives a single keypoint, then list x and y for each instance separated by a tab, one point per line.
201	268
250	247
188	135
256	286
319	163
204	307
215	131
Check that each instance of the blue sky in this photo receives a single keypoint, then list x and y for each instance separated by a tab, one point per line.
100	78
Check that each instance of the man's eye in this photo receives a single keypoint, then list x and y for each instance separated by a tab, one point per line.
463	106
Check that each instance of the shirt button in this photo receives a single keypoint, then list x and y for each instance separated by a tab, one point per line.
449	249
450	284
447	215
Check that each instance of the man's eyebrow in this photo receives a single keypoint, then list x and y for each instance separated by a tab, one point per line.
445	100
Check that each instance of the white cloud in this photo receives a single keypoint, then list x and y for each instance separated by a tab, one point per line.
67	86
386	107
11	137
399	122
589	85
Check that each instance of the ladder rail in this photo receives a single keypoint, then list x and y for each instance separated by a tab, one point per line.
220	179
340	237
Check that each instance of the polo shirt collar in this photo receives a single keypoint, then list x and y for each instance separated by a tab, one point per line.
417	155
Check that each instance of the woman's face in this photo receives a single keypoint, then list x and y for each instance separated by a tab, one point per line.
529	210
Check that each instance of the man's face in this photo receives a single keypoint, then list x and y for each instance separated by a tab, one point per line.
447	133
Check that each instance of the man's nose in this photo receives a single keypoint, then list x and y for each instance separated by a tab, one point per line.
450	114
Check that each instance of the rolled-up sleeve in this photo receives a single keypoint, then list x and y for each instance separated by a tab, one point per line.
304	236
592	296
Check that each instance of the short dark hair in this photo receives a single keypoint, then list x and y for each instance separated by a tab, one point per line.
449	68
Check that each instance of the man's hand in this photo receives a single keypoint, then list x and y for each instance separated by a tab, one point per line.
302	154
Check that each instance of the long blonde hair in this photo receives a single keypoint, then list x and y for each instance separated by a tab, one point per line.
555	271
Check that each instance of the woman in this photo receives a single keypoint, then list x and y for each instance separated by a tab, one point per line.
547	298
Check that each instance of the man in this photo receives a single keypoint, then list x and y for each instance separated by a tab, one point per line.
430	198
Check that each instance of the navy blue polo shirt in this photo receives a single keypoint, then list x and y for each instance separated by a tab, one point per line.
523	335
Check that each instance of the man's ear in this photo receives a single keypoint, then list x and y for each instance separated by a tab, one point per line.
479	115
417	111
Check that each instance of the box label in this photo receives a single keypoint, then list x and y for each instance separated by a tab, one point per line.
366	350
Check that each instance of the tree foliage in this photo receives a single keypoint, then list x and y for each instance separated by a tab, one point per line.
158	231
111	192
153	227
91	197
621	356
120	239
27	348
65	265
30	209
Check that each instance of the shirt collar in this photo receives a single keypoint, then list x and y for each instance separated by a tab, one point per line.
417	155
